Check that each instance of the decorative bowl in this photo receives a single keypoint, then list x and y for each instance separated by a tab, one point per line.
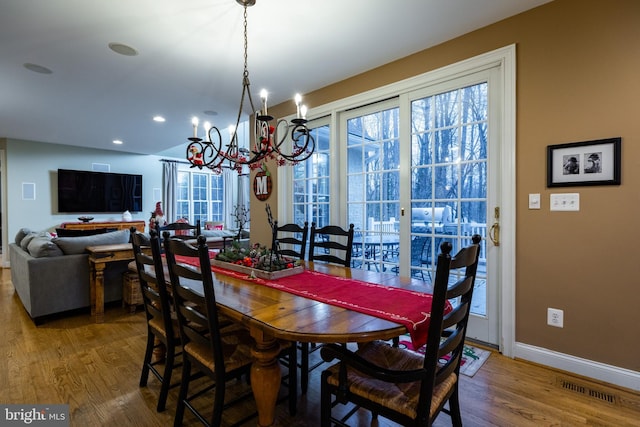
85	218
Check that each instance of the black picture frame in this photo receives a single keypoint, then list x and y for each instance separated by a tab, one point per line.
584	163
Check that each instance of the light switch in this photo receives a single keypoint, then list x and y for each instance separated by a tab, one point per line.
565	202
534	201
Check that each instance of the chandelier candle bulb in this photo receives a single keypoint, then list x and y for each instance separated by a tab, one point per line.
303	111
194	122
297	99
263	96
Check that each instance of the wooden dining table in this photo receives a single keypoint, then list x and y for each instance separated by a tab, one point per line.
273	315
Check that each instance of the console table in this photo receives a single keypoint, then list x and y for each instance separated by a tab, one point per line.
99	257
117	225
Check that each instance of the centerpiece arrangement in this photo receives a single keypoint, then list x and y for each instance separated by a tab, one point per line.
257	261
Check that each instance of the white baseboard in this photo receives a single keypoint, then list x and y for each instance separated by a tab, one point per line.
584	367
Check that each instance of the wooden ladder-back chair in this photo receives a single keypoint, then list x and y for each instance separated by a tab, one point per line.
162	329
222	354
292	235
327	240
219	350
419	386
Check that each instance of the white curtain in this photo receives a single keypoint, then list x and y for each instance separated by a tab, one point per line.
169	186
243	195
230	197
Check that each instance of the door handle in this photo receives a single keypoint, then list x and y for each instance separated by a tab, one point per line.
494	234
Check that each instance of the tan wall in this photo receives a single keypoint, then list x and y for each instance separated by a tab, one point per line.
578	65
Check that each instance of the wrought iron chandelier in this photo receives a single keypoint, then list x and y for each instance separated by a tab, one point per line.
296	144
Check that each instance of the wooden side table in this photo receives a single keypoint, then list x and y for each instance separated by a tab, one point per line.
99	257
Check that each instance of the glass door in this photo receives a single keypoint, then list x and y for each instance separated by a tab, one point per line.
373	190
453	187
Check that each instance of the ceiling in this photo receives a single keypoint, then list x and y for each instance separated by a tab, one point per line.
190	59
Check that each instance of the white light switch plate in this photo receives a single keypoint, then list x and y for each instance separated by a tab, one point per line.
565	202
534	201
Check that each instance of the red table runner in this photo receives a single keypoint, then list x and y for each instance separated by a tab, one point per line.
409	308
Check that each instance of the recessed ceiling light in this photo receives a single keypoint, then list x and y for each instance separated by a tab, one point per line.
159	119
117	142
37	68
211	113
123	49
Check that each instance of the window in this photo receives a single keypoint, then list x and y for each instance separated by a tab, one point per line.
311	183
200	196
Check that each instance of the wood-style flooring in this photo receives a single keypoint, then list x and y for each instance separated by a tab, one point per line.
95	368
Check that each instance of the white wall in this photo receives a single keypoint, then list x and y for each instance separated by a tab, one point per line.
37	163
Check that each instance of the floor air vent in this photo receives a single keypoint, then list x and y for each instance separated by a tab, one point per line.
586	390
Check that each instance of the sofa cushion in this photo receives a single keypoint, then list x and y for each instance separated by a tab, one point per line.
24	243
77	245
20	235
41	247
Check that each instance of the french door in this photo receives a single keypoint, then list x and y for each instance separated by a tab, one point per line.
454	175
418	173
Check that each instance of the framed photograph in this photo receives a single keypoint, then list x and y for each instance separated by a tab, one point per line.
584	163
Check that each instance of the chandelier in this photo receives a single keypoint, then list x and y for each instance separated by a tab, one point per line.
296	144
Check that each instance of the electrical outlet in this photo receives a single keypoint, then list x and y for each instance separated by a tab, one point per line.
555	317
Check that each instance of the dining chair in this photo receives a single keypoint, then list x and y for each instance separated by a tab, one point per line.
181	229
325	241
404	386
162	329
293	237
222	354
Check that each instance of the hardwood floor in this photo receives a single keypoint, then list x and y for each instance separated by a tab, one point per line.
95	368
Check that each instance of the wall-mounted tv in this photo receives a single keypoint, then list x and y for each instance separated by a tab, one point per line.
98	192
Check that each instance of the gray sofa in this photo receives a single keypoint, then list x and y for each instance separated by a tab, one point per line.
51	274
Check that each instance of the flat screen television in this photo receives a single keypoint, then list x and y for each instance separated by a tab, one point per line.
98	192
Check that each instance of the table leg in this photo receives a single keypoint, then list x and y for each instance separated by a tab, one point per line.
97	292
92	287
265	376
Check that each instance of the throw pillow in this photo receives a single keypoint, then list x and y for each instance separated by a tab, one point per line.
41	247
77	245
20	235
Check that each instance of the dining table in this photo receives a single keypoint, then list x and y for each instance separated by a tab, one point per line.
273	315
